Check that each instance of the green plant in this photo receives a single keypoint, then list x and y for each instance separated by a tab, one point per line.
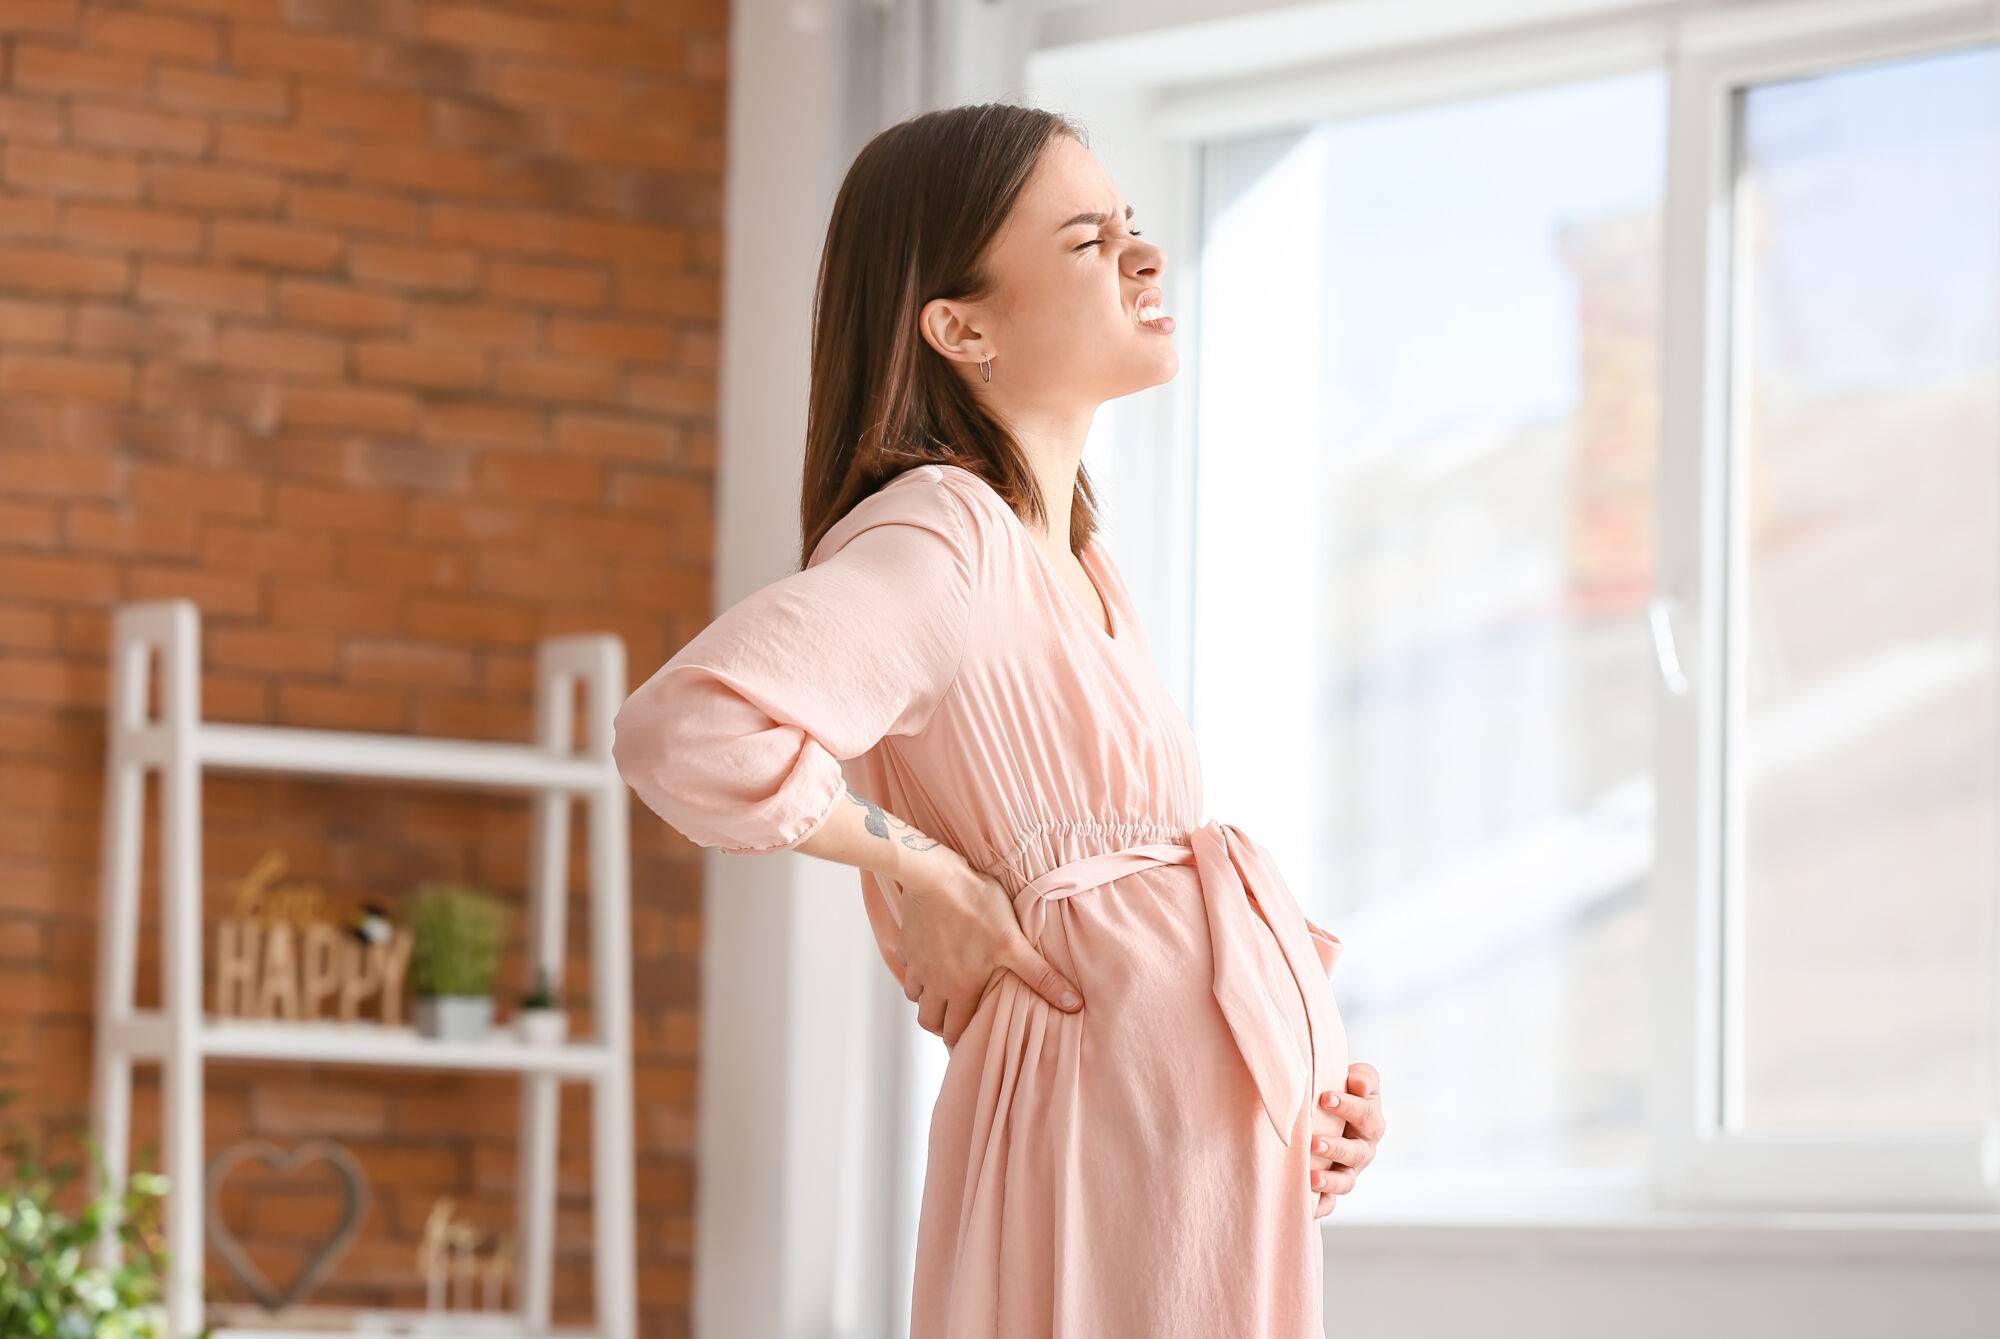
544	994
456	934
49	1283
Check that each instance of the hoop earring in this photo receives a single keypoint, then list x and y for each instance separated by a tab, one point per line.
986	370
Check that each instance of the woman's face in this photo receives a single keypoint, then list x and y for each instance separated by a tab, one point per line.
1061	324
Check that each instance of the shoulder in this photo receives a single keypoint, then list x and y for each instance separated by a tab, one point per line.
936	498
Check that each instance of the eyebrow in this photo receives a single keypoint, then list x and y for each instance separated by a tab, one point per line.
1095	217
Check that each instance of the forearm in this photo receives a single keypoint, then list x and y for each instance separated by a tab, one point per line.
863	834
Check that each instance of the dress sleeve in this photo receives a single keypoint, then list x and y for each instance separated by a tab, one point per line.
737	740
1326	944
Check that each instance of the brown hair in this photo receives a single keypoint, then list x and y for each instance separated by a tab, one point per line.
912	221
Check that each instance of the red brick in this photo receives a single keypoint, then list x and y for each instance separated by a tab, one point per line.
492	228
350	407
371	111
63	474
309	302
553	285
33	322
39	167
419	364
485	325
254	402
538	476
356	211
679	296
580	380
125	529
60	70
217	593
613	338
237	189
266	349
311	507
138	128
205	492
30	119
621	438
56	577
133	228
63	272
414	267
282	245
288	652
535	83
28	216
214	288
392	565
658	146
53	376
216	91
416	166
58	17
678	395
480	423
254	47
253	546
185	335
282	147
154	34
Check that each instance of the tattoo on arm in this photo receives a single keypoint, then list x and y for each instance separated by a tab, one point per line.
879	821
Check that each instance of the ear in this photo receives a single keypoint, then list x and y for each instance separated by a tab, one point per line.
952	328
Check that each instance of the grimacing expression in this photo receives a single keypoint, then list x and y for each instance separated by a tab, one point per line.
1070	267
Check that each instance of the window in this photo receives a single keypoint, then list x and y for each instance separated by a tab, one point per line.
1594	599
1422	559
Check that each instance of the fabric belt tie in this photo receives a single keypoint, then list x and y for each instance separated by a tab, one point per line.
1260	1011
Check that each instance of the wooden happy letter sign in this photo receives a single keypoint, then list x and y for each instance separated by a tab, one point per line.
278	956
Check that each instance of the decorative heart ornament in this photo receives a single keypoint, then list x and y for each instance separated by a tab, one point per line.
349	1174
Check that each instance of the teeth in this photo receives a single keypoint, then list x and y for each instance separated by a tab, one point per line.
1151	312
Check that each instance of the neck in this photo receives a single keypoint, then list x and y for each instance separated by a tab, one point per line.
1054	448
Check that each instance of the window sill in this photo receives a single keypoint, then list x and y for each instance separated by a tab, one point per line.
1626	1231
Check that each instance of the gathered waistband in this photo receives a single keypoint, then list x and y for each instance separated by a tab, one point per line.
1232	870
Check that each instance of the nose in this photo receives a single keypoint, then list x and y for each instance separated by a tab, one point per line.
1150	260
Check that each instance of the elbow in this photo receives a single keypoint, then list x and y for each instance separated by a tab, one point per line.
644	750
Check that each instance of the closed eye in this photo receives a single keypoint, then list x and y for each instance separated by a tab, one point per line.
1099	241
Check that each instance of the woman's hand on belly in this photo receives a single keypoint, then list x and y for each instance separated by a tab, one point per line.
958	935
1346	1128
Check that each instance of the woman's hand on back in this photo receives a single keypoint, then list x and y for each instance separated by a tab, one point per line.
959	934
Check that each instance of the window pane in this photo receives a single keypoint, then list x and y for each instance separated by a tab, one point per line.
1863	758
1424	548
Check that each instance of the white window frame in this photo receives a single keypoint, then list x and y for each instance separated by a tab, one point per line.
1704	1158
1709	52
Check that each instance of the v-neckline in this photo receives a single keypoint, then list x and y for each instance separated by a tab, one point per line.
1091	574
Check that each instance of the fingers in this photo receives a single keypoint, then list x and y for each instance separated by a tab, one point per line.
1043	979
931	1010
956	1016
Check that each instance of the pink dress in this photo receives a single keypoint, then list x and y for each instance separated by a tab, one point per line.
1139	1169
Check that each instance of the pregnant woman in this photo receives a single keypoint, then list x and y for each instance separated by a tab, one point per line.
1146	1106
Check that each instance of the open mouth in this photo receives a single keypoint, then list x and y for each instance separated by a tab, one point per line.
1148	310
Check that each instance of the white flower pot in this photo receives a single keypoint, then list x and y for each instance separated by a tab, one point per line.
454	1017
542	1027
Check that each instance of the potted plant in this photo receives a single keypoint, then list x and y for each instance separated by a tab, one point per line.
50	1281
456	935
541	1020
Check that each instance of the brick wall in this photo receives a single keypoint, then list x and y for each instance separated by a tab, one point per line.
386	331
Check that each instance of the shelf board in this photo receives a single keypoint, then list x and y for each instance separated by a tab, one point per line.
231	746
366	1044
244	1320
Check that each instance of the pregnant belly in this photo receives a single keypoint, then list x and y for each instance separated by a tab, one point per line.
1142	951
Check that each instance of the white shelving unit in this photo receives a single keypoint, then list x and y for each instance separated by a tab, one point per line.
158	644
